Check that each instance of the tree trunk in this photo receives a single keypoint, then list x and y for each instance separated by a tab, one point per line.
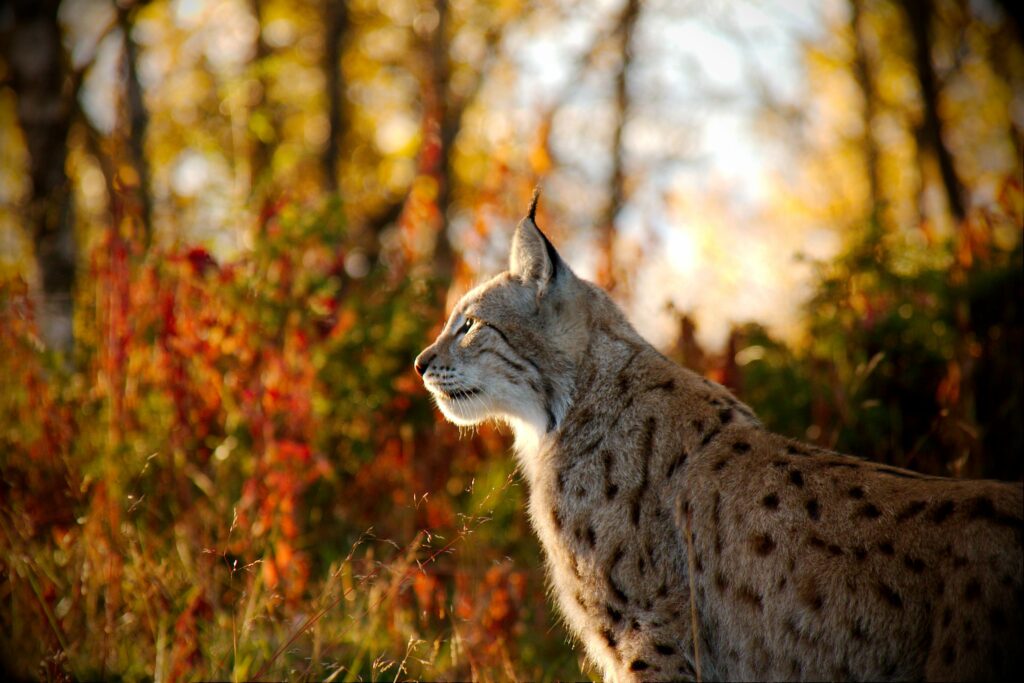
138	122
919	16
865	80
443	111
962	437
39	77
262	143
335	25
447	129
606	274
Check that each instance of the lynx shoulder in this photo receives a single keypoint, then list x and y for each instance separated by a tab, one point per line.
646	479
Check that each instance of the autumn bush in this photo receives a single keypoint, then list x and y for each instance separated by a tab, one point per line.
241	476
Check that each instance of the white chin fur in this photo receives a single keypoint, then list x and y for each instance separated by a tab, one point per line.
463	412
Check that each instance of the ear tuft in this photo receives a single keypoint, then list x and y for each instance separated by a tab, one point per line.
532	213
533	259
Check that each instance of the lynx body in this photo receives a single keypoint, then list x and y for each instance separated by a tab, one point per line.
806	564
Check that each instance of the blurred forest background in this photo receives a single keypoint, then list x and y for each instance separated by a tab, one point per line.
228	226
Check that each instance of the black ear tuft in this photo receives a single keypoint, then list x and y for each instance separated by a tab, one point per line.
533	259
532	213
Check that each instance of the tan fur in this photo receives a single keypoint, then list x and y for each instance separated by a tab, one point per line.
807	564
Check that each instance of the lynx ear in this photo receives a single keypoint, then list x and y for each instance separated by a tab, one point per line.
534	259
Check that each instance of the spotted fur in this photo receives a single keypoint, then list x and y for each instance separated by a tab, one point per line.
807	564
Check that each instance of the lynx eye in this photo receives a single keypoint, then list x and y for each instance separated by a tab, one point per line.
465	326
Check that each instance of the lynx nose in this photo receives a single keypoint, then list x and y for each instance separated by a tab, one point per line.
423	361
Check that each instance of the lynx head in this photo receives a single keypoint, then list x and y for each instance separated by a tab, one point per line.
511	345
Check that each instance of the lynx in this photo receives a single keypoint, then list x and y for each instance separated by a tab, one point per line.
683	539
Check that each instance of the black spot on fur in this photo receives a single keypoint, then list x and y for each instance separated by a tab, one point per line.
741	447
721	583
948	654
613	613
725	415
650	426
794	450
698	425
889	595
941	512
914	564
722	462
591	537
556	519
617	591
981	508
869	511
668	385
634	509
972	591
855	492
885	547
663	649
609	638
795	669
912	510
710	436
813	511
639	665
610	488
747	595
808	594
763	544
770	501
860	554
835	550
676	462
997	618
796	478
